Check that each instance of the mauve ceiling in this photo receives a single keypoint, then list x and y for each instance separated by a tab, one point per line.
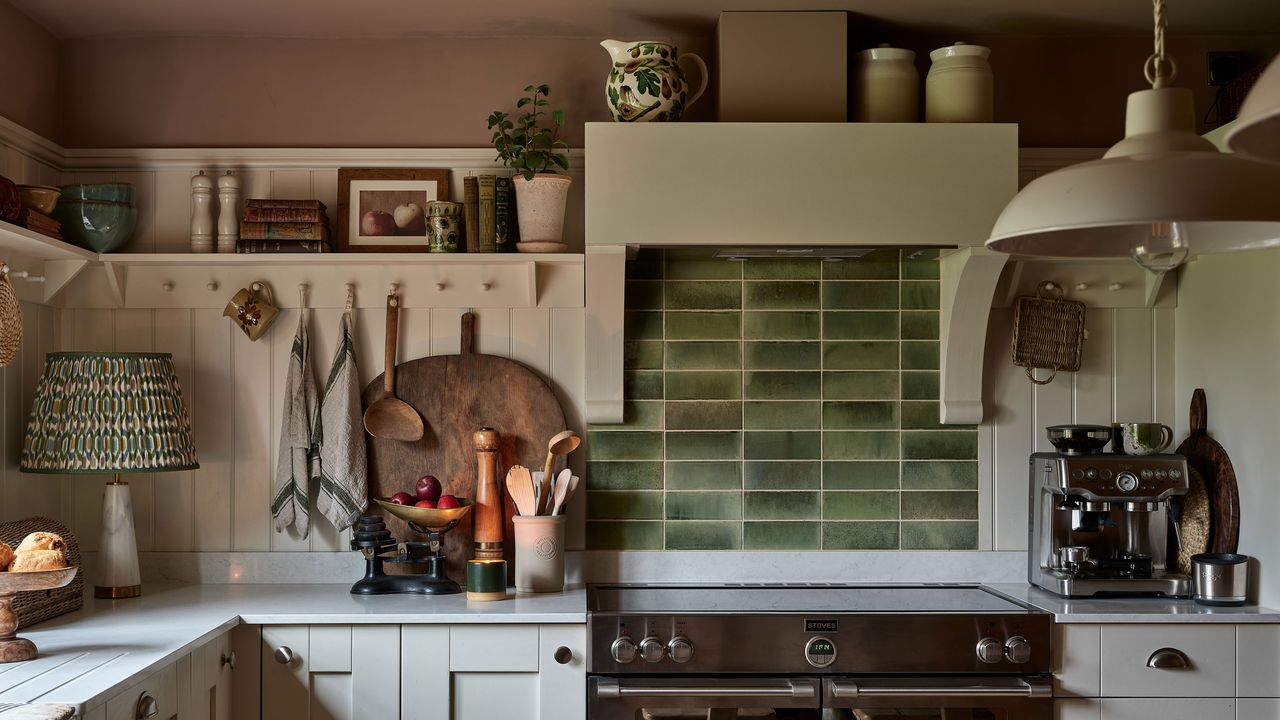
622	18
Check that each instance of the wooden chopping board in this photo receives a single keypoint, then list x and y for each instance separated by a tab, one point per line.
457	395
1210	459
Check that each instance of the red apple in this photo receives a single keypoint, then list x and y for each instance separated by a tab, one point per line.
377	223
448	501
402	498
425	503
428	488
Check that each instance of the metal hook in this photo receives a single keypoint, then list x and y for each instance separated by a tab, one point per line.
256	286
302	295
351	296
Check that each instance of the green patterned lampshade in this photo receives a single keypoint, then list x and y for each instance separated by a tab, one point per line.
108	412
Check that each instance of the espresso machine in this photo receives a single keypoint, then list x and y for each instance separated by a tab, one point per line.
1099	521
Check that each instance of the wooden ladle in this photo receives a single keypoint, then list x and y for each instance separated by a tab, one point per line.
562	443
390	417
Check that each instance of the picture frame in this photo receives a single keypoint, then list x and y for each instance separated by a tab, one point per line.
387	193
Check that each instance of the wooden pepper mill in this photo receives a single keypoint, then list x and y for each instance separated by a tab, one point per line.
489	502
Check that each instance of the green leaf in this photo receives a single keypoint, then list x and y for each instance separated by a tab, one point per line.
557	117
561	160
523	101
530	88
544	89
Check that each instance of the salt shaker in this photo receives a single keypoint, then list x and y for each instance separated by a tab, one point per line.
228	217
201	213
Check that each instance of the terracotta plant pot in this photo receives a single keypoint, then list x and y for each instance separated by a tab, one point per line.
540	208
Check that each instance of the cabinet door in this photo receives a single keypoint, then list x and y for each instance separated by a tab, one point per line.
562	672
330	672
1077	709
212	672
1168	708
160	686
1257	709
513	671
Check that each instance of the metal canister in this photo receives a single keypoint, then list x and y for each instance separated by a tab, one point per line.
442	226
1220	579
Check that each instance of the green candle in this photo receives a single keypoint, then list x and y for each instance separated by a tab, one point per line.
486	580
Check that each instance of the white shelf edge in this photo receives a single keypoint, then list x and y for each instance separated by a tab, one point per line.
31	244
344	259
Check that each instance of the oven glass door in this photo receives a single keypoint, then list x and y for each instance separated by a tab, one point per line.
938	698
710	698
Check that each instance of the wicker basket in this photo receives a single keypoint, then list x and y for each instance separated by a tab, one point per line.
32	607
1047	333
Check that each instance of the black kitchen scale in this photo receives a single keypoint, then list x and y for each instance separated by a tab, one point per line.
371	538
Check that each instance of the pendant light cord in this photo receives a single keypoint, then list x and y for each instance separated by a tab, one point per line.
1160	69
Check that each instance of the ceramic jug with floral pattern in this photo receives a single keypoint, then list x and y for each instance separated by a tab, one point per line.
646	83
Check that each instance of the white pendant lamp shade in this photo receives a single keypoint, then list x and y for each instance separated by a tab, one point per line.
1256	134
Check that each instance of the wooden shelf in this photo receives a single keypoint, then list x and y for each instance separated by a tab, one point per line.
335	259
35	246
40	265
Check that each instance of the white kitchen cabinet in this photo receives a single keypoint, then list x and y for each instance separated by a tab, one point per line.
1258	661
1257	709
1077	657
158	691
1168	708
209	680
330	672
1077	709
1203	657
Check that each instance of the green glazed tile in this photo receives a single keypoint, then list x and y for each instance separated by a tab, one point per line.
781	475
939	536
783	355
614	505
782	415
703	535
859	535
875	265
646	415
703	325
643	295
920	325
859	505
922	385
720	445
624	445
704	415
940	475
940	445
696	355
764	269
688	475
624	475
642	384
864	445
646	266
638	325
939	505
854	325
920	295
761	445
856	295
703	295
860	475
920	355
859	415
920	265
702	269
624	535
704	385
782	506
761	385
642	355
782	535
674	254
865	385
781	325
704	505
859	355
922	415
775	295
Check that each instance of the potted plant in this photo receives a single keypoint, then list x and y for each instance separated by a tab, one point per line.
537	156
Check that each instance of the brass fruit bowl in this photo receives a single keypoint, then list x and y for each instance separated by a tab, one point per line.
432	518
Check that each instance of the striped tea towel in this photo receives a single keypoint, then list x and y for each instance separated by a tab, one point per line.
344	492
290	489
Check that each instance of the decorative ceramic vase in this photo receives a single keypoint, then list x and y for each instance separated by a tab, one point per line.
888	86
646	82
442	226
540	210
959	86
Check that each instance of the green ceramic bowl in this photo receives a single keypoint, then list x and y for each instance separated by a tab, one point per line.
96	225
111	192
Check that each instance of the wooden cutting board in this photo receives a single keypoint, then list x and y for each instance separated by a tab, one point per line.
1210	459
457	395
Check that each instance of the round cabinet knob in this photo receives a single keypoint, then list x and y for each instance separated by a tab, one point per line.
1018	650
990	651
563	655
652	649
623	650
147	706
680	649
284	655
229	660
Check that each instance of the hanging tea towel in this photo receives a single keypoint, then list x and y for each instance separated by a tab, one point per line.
344	490
290	489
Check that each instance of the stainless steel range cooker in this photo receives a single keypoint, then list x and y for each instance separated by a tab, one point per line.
804	652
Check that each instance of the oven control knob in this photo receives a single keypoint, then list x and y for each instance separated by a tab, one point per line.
990	650
623	650
680	649
652	649
1018	650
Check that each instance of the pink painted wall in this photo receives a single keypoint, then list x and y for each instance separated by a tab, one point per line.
29	67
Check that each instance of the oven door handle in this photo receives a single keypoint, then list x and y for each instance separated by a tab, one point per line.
608	688
846	689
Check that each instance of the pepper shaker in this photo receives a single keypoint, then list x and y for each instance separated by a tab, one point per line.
201	213
489	502
228	217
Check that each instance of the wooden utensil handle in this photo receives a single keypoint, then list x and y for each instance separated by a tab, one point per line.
1199	413
393	331
468	333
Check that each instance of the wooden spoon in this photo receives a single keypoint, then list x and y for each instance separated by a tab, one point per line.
390	417
563	481
562	443
521	488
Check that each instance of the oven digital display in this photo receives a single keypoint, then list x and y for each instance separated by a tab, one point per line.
820	652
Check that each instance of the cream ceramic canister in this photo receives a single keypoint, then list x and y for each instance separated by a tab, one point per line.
888	85
959	87
646	82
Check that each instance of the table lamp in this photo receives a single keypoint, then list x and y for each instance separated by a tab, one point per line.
109	412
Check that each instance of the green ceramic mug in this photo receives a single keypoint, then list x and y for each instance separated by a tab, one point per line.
1144	438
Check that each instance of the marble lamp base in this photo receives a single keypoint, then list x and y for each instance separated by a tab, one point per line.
118	573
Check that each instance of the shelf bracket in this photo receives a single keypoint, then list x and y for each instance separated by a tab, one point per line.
58	274
117	278
969	279
1155	284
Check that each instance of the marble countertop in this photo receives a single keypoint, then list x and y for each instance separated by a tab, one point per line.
1132	610
87	655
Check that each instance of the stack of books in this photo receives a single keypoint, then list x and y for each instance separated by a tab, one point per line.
283	226
487	202
39	222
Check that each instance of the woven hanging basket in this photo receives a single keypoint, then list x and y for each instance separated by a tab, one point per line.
1048	333
10	320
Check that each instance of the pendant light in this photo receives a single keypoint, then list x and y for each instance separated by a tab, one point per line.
1156	196
1256	134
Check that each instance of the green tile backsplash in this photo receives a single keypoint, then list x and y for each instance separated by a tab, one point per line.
782	405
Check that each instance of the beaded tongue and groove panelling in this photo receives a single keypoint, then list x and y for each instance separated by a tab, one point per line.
782	404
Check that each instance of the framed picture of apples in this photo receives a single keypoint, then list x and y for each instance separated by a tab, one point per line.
385	209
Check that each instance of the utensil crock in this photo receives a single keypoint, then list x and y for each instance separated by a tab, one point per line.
539	553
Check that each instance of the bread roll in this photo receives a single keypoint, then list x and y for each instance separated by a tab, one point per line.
40	541
6	555
30	560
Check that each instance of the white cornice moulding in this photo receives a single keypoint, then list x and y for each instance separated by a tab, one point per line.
276	158
26	141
